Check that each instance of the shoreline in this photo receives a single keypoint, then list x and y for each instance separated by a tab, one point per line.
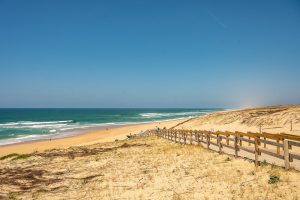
80	131
86	137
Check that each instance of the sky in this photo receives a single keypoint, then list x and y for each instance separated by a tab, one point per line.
149	53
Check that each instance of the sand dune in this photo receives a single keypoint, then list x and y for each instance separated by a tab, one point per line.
144	168
273	119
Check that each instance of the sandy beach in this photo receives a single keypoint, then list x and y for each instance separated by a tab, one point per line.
273	119
143	168
90	137
104	164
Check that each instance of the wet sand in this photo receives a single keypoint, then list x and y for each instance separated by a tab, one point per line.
90	137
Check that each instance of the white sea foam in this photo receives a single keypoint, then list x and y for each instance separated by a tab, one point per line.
36	125
158	115
64	128
28	123
23	138
55	133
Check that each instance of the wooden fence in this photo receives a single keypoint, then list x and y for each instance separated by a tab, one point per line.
278	146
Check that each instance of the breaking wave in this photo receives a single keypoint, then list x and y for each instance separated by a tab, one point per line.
182	114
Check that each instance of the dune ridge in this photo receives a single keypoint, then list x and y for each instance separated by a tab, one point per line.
273	119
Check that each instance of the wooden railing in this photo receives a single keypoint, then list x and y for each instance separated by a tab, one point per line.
279	146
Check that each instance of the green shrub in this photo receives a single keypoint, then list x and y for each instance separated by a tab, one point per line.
16	156
9	156
264	163
22	156
273	179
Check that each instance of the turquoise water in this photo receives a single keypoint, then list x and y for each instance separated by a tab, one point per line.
18	125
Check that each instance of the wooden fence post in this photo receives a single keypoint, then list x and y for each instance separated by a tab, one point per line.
198	139
256	151
286	154
219	143
180	137
191	137
278	148
227	139
241	141
175	136
235	145
208	140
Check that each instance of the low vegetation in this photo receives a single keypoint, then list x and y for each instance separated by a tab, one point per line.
273	179
15	156
9	156
142	168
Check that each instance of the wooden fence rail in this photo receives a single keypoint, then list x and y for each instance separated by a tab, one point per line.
275	145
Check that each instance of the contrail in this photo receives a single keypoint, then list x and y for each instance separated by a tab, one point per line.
216	19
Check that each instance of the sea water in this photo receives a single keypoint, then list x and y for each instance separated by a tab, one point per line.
19	125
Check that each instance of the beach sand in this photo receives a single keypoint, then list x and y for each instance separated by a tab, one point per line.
143	168
112	134
272	119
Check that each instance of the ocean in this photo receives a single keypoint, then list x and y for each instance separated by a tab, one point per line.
19	125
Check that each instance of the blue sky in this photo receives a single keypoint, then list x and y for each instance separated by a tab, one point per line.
149	53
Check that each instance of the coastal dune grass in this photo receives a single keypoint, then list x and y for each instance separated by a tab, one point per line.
143	168
15	156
